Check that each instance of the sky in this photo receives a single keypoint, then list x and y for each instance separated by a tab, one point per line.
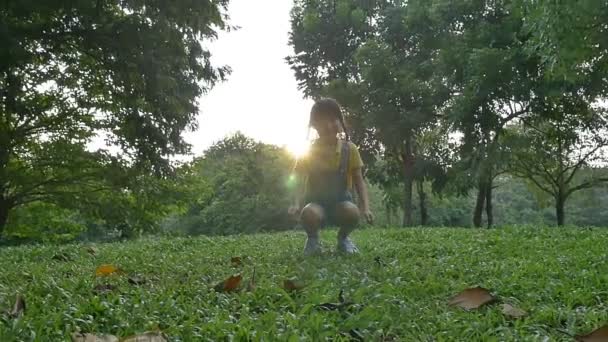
260	97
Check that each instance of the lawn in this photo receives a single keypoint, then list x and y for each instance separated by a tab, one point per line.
400	285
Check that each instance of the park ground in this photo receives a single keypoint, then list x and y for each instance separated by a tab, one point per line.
397	289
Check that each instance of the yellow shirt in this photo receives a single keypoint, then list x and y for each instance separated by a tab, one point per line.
327	157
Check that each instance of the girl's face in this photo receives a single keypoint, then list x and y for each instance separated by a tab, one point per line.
326	126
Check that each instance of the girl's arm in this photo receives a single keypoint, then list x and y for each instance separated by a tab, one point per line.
361	188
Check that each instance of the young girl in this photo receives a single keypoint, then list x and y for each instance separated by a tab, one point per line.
326	177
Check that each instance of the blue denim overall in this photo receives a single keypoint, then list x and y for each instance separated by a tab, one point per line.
327	188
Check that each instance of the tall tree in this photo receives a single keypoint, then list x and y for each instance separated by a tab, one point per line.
378	60
562	153
247	188
492	79
128	70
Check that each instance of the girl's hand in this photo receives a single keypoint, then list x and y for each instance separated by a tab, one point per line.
368	216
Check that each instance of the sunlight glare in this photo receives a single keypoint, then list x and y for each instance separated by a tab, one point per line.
298	148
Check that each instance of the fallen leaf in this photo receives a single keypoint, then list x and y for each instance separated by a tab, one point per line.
236	261
472	298
341	305
136	280
91	250
251	284
379	261
18	308
104	288
354	335
328	306
293	284
149	336
62	257
80	337
598	335
230	284
107	269
512	311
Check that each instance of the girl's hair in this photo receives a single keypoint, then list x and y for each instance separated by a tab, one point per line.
328	107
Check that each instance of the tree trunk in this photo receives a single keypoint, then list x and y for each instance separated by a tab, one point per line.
408	179
424	217
559	210
489	213
481	196
407	204
4	209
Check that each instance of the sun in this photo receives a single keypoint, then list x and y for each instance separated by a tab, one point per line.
298	148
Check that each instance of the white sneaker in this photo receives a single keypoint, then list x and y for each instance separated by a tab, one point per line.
346	245
312	247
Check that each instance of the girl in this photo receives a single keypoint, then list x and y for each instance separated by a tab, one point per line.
326	177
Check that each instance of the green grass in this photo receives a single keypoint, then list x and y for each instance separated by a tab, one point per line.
559	276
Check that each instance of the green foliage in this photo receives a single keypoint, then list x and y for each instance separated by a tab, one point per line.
570	37
127	70
402	296
247	188
44	222
561	154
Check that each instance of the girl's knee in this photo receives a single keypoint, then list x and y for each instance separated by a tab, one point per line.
312	215
347	214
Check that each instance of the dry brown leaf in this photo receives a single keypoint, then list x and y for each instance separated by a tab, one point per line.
136	280
472	298
512	311
80	337
104	288
293	284
62	257
105	270
230	284
251	284
18	308
91	250
149	336
598	335
341	297
236	261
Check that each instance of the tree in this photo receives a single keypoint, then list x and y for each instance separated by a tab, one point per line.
127	70
378	60
562	153
492	79
247	188
570	35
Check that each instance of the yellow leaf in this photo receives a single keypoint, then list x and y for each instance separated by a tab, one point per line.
107	269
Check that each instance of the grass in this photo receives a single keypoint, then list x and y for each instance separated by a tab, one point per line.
401	281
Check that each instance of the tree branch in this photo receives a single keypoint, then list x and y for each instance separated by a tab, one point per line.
580	164
588	184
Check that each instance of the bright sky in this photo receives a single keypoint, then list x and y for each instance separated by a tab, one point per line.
260	97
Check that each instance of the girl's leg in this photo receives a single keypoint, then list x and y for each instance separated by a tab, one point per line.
312	218
347	217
